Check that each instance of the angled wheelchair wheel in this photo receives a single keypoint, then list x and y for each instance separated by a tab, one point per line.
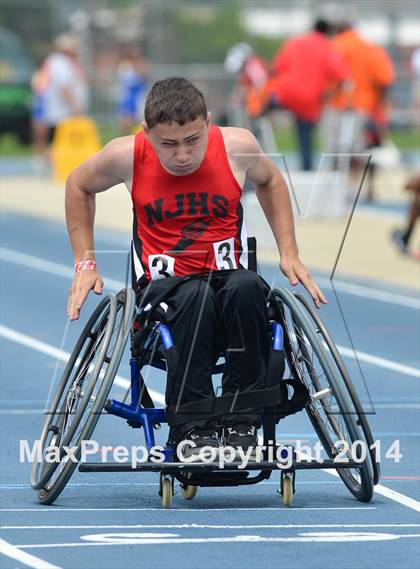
82	393
355	405
330	410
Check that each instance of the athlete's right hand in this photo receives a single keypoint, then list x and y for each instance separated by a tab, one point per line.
83	283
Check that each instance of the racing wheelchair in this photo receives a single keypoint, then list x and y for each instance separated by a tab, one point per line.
305	372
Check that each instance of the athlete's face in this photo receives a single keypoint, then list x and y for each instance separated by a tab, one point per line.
180	148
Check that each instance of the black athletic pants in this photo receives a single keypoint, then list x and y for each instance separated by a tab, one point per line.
225	311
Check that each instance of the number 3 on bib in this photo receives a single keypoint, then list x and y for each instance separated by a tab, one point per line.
224	253
161	266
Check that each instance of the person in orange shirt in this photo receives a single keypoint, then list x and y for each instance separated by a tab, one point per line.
305	66
357	116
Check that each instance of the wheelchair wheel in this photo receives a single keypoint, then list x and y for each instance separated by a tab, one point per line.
330	409
357	407
82	393
166	491
286	489
189	491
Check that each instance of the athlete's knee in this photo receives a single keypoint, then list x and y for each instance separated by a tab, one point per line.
201	294
246	285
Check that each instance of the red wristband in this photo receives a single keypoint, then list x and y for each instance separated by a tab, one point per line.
84	266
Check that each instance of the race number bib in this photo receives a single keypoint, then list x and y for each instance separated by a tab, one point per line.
224	254
161	266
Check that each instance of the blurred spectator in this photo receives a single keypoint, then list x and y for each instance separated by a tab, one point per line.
357	114
401	237
67	92
60	91
415	73
132	86
252	73
39	85
251	94
305	66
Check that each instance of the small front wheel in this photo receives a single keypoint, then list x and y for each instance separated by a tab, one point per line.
287	489
189	491
166	492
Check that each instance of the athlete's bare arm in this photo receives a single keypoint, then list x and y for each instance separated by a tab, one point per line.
272	192
110	166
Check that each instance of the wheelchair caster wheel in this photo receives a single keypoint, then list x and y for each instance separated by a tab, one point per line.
287	490
43	496
166	492
189	491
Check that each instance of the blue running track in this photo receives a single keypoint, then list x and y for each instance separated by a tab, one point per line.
116	520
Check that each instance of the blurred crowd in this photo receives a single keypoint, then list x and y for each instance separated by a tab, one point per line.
331	76
60	89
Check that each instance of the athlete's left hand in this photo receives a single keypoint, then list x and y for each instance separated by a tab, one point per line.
293	268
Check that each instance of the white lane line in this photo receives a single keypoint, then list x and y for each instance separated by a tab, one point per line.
61	355
398	497
190	510
62	270
45	266
368	292
145	539
122	382
391	494
211	526
378	489
15	553
22	411
40	264
378	361
30	342
394	405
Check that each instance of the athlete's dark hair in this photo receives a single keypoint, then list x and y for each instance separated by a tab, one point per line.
322	26
174	100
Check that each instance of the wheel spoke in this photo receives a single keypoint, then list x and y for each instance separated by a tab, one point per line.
310	360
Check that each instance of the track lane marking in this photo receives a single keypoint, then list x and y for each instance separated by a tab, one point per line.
145	539
378	361
50	350
15	553
50	267
388	493
61	355
368	292
45	348
378	489
41	264
174	509
210	526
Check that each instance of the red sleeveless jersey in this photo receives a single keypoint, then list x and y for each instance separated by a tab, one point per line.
186	224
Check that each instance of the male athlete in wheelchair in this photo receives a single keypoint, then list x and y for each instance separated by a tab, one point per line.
197	297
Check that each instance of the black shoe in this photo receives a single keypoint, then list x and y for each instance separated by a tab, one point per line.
194	440
241	436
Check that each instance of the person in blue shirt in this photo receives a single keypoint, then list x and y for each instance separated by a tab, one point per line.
133	86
